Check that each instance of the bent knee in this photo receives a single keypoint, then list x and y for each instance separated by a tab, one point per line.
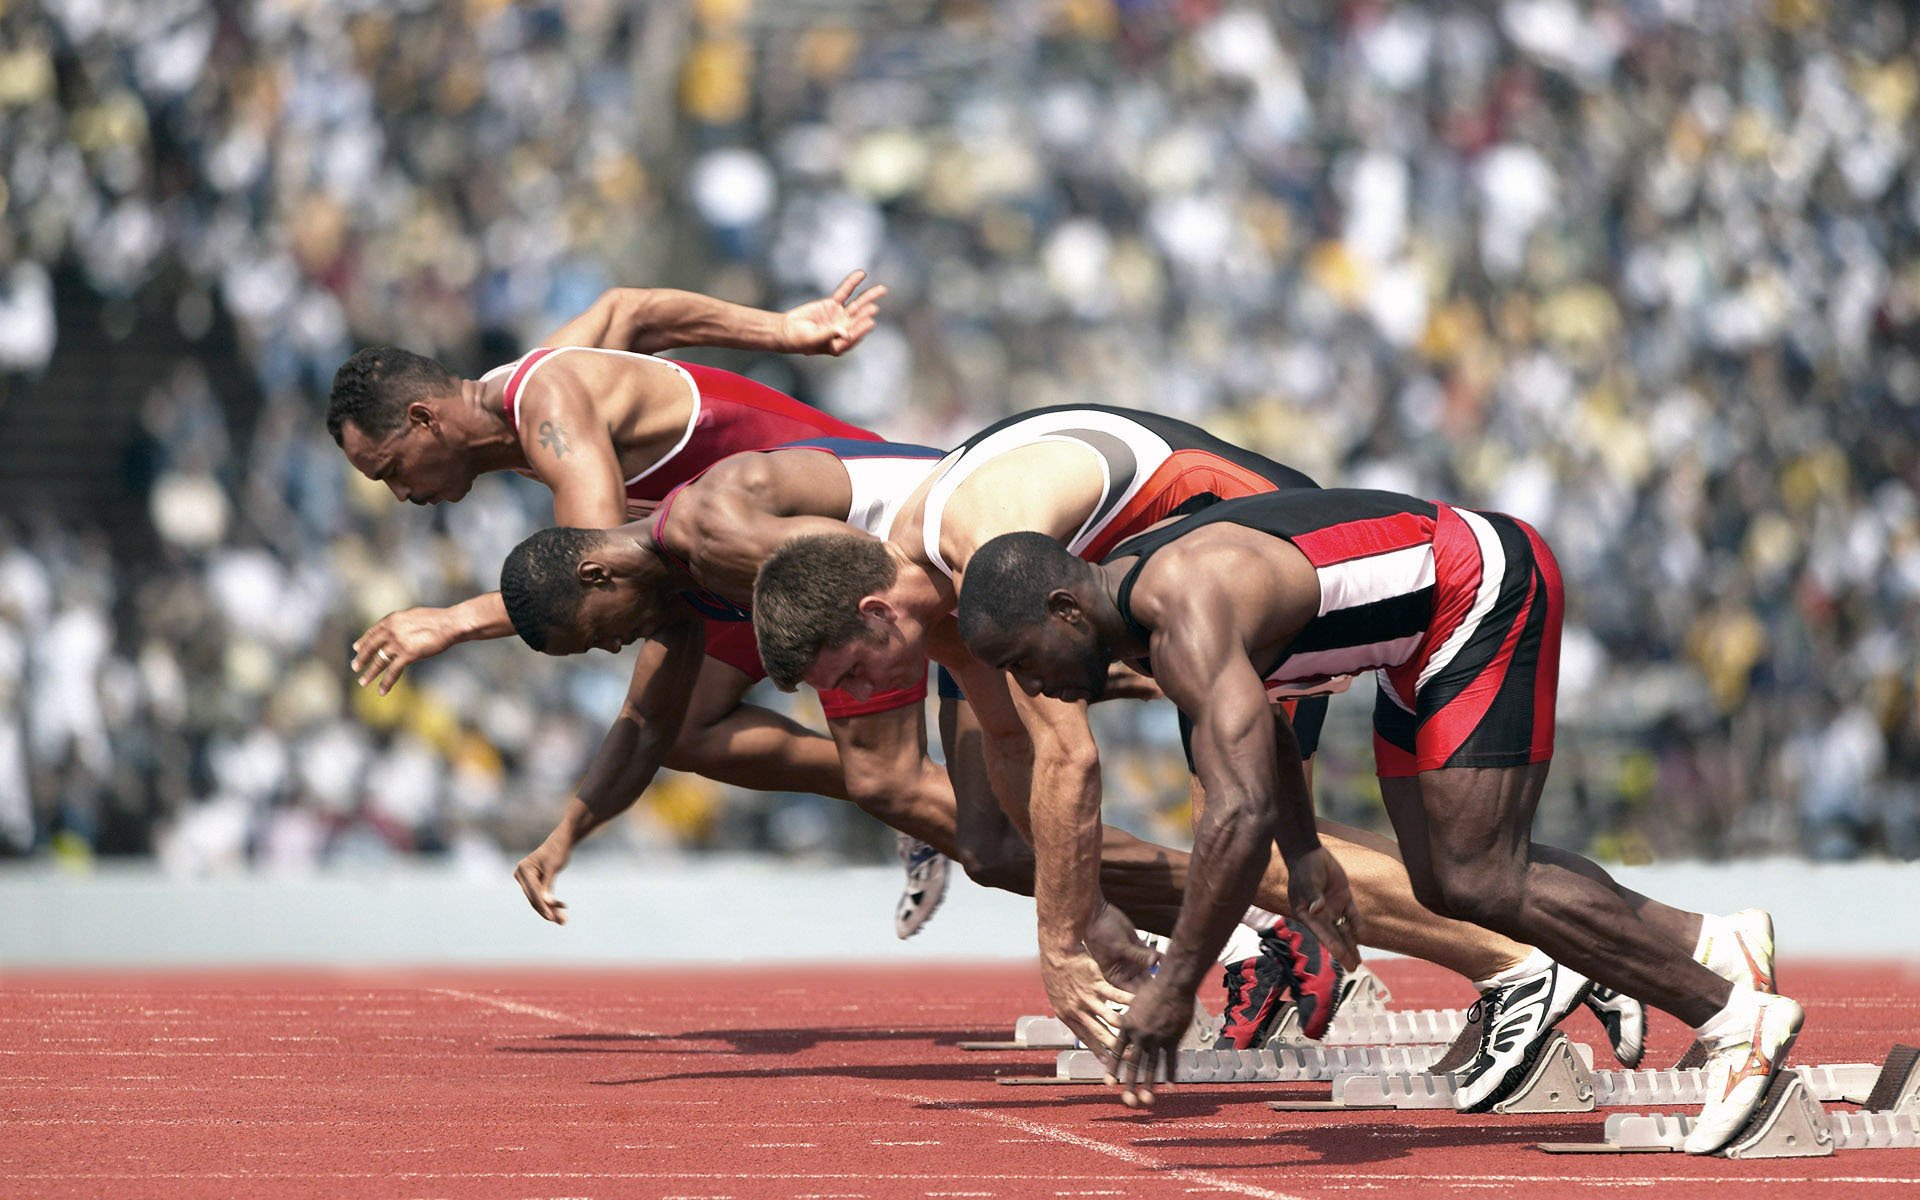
1486	896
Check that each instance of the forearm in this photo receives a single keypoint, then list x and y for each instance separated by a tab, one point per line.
481	619
1065	816
629	757
652	319
1230	843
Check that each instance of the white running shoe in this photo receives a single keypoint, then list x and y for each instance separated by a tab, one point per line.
1625	1020
926	884
1518	1017
1740	1066
1739	946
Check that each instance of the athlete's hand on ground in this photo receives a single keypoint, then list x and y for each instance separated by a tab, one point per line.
1115	944
1150	1033
397	641
535	875
1082	997
836	323
1317	889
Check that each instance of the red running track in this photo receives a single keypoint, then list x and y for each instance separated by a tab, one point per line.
797	1083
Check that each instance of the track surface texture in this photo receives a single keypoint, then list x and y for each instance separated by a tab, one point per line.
793	1082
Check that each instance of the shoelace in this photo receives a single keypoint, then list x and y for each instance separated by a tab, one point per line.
1488	1007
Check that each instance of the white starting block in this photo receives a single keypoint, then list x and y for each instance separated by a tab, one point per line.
1563	1080
1290	1064
1792	1121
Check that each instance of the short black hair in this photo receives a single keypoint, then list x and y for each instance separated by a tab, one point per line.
373	388
540	581
1008	581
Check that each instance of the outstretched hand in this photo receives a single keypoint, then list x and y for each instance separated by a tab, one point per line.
1149	1034
1318	891
834	324
1082	998
398	640
535	875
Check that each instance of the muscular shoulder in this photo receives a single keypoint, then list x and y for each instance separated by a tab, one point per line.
1048	487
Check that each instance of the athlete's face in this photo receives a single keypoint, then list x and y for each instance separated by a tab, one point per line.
882	660
421	462
1060	656
611	617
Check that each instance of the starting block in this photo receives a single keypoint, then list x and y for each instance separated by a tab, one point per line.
1563	1080
1291	1064
1791	1122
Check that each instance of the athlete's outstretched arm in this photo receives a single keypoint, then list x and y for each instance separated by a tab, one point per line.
628	758
569	448
649	320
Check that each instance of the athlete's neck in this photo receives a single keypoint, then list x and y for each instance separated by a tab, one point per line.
1104	612
921	591
495	444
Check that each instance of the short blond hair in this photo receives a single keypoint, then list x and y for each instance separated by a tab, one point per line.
806	599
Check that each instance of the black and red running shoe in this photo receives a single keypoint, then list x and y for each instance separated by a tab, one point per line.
1312	972
1256	991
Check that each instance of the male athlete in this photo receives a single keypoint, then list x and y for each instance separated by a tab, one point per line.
611	429
843	611
1459	613
689	568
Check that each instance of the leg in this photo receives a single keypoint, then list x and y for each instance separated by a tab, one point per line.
1476	861
1392	917
748	746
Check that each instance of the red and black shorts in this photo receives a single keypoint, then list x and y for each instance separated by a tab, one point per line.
1479	692
732	643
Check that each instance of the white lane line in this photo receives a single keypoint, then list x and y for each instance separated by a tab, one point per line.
1208	1179
533	1010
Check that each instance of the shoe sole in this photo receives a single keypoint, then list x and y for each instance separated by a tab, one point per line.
1518	1073
924	918
1779	1065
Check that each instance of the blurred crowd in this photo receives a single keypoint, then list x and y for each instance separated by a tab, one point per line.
1645	273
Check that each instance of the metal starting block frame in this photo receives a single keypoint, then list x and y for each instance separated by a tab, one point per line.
1791	1122
1289	1064
1563	1080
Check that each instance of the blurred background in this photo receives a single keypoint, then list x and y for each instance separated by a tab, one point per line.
1645	273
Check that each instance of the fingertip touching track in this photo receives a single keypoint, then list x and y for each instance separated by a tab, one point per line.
810	1082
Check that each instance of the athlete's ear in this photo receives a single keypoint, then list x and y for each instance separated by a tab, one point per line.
880	609
420	413
593	573
1063	605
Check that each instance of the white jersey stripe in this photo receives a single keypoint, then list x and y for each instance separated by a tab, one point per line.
1493	568
1359	581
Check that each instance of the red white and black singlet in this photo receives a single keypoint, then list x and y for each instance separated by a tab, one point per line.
731	413
1459	613
1152	467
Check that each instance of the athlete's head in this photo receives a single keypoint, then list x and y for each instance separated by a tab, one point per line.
568	591
1024	608
825	612
397	416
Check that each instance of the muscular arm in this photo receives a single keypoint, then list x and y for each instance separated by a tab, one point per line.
745	507
568	447
629	756
649	320
1045	768
1203	667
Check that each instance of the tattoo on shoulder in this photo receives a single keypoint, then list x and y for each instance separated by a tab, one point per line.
554	437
